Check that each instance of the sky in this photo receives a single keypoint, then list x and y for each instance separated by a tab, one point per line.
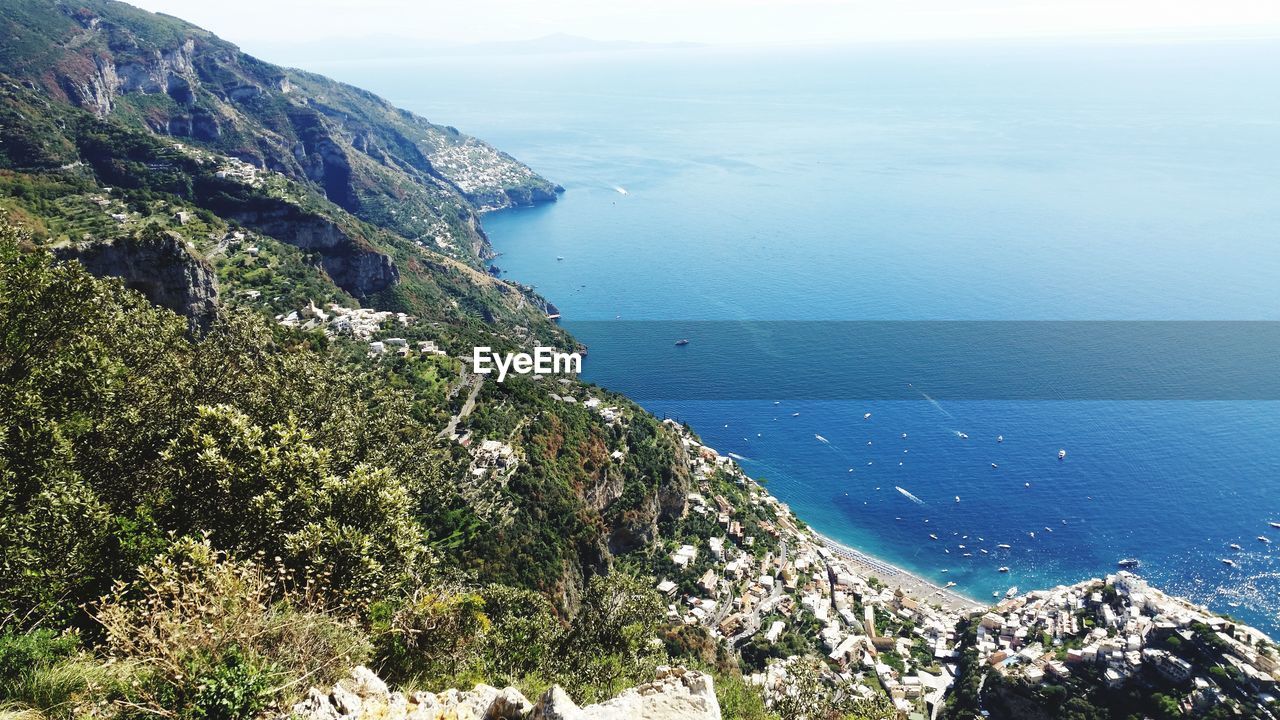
257	23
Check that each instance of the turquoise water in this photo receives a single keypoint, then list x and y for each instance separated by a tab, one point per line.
999	182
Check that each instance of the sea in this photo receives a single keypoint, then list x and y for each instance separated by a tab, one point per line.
730	195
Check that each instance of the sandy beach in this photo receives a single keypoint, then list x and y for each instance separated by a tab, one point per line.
895	577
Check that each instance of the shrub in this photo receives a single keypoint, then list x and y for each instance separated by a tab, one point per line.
223	637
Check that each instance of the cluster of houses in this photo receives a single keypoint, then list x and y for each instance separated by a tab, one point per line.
1126	630
359	323
748	594
400	347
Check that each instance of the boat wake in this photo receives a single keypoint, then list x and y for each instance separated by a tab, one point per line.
620	190
907	494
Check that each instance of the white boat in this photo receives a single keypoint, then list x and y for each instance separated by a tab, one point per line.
950	585
983	551
795	414
932	536
957	498
819	438
1274	524
1062	454
867	416
993	466
1004	569
1129	563
1228	562
904	437
968	554
1235	547
1264	538
995	593
1011	591
999	438
962	436
1003	546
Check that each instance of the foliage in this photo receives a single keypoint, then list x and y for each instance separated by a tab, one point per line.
224	637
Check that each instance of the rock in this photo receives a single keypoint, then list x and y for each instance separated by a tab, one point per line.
346	701
365	683
676	694
509	704
316	706
556	704
160	266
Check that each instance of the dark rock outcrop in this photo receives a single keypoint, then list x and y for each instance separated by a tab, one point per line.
161	266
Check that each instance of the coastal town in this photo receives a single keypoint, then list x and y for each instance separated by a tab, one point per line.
767	585
774	590
1123	631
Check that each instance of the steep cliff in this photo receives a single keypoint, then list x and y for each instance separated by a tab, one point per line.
160	265
383	164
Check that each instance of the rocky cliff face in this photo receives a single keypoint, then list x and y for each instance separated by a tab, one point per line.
383	164
676	694
349	260
161	266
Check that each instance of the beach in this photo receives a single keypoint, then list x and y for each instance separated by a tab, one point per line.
895	577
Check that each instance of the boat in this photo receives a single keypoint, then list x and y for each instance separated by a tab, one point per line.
1228	562
819	438
1129	563
904	437
993	466
949	585
968	554
1272	524
1004	569
1003	546
1235	547
983	551
1011	591
1264	538
682	341
999	438
995	593
559	257
795	414
962	436
1062	454
867	416
957	498
932	536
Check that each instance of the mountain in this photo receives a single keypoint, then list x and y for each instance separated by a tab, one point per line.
377	192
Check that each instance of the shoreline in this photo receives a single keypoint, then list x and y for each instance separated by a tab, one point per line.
896	577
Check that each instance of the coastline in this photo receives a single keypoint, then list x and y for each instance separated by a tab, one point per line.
895	577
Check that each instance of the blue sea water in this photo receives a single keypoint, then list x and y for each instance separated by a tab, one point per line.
1047	181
